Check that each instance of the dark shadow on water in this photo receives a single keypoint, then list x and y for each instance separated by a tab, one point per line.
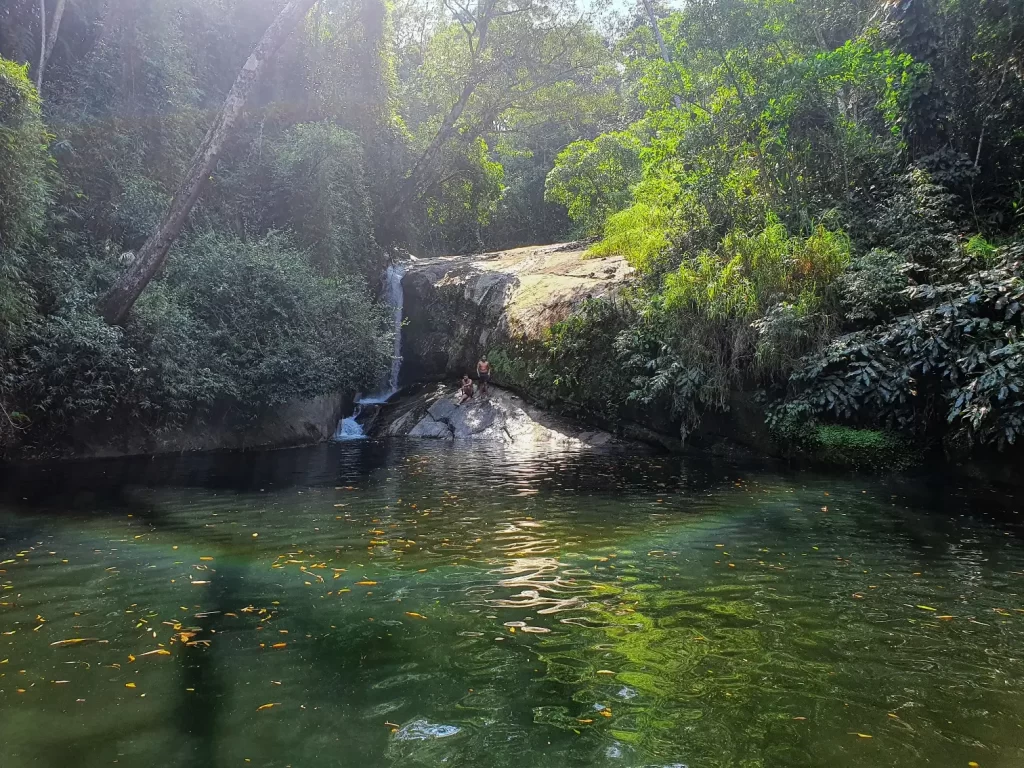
203	661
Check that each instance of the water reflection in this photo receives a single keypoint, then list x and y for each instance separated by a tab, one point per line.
407	604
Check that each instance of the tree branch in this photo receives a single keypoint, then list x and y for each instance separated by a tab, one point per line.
151	257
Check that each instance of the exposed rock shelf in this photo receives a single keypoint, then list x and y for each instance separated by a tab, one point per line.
458	307
499	416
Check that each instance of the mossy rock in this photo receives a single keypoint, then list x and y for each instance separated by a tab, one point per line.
862	448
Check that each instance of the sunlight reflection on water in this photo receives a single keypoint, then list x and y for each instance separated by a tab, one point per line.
416	604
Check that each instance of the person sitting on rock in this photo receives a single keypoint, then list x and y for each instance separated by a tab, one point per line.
483	373
467	389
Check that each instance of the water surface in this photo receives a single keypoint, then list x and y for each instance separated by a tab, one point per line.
413	604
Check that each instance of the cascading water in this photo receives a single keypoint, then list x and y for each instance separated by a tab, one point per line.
350	428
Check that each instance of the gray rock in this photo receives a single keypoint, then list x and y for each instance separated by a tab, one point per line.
428	427
499	416
443	409
458	307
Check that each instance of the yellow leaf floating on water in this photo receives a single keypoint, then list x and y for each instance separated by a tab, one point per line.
157	652
926	608
863	735
894	717
366	583
129	685
279	645
267	706
206	558
75	641
415	615
973	764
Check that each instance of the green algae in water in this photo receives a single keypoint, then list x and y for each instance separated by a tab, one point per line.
426	605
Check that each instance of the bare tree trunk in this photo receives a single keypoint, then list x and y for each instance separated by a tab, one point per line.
665	55
151	257
49	39
42	44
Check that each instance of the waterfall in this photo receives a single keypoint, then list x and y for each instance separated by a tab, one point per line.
350	428
395	296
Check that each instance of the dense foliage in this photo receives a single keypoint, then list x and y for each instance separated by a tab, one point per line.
823	203
427	126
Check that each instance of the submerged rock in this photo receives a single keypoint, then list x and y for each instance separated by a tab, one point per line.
435	412
421	730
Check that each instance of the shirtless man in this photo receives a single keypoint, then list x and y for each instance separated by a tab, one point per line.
483	373
466	390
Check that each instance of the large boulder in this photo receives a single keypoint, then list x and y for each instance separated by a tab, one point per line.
458	307
436	411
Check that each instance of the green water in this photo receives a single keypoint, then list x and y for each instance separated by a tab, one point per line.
554	610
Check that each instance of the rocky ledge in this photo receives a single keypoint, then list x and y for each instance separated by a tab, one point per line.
499	416
458	307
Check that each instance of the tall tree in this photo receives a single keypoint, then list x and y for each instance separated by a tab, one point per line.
42	44
494	56
47	39
123	294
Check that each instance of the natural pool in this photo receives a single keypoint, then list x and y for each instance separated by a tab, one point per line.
416	604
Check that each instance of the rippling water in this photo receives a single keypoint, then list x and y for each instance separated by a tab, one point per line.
423	605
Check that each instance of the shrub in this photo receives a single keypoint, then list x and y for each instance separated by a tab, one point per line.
742	313
23	191
575	366
640	233
233	328
798	433
872	289
272	326
861	448
76	367
750	273
955	362
594	179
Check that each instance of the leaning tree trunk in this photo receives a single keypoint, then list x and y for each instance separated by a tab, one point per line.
51	38
47	39
42	45
151	257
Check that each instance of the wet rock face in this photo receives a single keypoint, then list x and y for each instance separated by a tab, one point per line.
437	412
459	307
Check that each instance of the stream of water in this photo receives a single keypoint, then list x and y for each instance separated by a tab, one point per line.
424	604
350	428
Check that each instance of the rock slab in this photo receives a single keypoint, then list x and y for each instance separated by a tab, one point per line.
458	307
499	416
